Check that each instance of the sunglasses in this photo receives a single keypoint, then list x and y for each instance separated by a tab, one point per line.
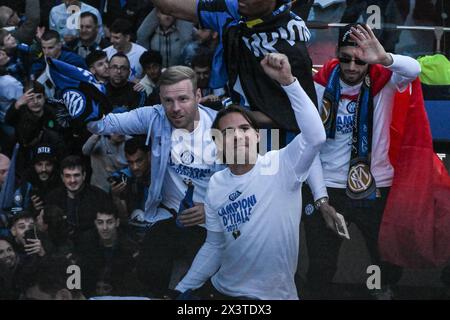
348	60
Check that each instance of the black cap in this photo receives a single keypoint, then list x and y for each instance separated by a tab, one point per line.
344	36
43	152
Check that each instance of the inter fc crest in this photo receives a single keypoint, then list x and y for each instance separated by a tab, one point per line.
326	110
75	101
187	157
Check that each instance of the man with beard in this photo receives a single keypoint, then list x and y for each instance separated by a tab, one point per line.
42	179
121	92
98	65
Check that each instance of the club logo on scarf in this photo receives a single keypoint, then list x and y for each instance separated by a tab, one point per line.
367	80
359	178
326	110
75	102
351	107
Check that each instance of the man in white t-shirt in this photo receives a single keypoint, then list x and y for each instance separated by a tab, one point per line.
357	92
253	208
121	31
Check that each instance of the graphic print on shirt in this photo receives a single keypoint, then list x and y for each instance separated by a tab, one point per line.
344	120
237	212
184	167
263	43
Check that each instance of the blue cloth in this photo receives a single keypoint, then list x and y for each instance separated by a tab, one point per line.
66	56
82	95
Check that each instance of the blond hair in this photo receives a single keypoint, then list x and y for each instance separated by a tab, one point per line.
173	75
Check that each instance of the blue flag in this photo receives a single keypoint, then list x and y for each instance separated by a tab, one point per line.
83	96
8	189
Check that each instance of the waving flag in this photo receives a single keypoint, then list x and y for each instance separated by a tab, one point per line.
83	96
415	231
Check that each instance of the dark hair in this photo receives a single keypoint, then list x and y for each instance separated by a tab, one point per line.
120	55
107	208
202	60
51	34
149	57
37	87
20	215
135	144
72	162
58	227
89	14
234	109
122	26
51	275
95	56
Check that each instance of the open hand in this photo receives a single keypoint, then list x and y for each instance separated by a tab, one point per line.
369	48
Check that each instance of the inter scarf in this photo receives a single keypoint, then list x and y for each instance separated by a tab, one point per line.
246	44
360	182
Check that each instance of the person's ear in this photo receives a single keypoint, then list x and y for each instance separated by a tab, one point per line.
128	38
117	222
63	294
13	231
198	94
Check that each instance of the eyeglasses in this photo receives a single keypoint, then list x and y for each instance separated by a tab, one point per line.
348	60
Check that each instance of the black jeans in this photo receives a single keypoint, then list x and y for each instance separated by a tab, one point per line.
323	244
162	245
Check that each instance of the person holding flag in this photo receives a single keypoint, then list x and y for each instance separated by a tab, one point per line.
357	93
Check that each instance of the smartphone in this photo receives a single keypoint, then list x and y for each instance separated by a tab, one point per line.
30	234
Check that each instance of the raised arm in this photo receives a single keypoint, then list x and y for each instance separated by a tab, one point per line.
301	152
370	50
181	9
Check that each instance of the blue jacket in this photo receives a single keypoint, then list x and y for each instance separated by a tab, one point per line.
66	56
153	122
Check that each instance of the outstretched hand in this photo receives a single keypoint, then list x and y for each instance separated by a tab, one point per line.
369	48
277	67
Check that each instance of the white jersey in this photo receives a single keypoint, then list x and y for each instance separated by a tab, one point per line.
134	55
335	153
260	217
193	157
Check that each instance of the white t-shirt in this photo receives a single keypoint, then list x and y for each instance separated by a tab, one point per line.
193	157
134	55
335	153
260	219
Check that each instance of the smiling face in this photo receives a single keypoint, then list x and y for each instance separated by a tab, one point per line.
8	256
73	179
181	104
88	29
240	139
19	228
106	225
351	73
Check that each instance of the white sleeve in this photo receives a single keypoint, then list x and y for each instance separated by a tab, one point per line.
300	153
128	123
206	263
316	181
405	70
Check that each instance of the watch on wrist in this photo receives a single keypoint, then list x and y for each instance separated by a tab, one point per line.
318	203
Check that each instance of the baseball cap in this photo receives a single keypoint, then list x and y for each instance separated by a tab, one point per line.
43	152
